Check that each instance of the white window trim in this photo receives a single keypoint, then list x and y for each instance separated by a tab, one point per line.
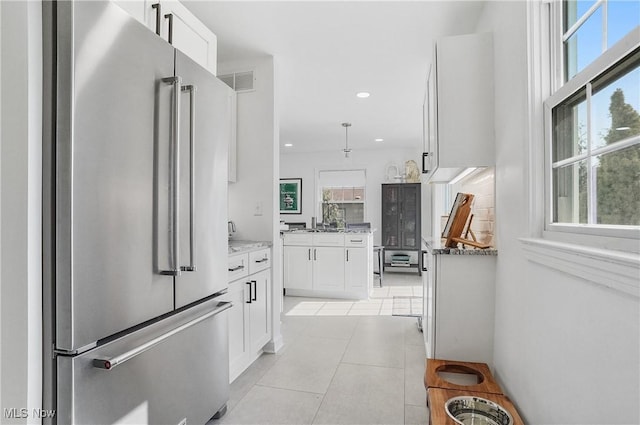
592	71
318	193
615	270
609	261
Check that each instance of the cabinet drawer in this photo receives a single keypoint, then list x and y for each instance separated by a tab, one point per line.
356	240
259	260
328	239
238	266
298	239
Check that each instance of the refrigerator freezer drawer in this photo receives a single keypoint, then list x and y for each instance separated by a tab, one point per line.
163	374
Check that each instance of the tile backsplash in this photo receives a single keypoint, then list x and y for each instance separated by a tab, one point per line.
482	186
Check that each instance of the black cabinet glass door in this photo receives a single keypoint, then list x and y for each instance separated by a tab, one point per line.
401	216
401	225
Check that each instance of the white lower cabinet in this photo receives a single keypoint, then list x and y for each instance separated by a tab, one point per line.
328	268
459	296
334	265
356	270
250	314
298	270
259	310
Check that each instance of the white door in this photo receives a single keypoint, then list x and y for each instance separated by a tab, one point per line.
298	267
328	268
356	268
260	306
239	342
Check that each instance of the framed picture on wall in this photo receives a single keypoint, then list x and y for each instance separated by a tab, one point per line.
290	196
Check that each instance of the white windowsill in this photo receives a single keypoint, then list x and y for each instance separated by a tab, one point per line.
617	270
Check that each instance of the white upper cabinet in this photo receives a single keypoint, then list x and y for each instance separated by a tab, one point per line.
459	105
176	24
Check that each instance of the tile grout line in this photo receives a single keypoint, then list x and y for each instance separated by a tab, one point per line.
336	371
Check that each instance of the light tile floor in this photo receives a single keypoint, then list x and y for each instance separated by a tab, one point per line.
344	362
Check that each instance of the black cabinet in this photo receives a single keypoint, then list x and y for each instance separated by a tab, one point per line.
401	223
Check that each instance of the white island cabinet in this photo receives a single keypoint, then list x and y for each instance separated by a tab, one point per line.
250	315
336	265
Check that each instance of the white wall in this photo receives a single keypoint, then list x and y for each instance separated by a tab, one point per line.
566	350
20	207
255	153
375	162
253	204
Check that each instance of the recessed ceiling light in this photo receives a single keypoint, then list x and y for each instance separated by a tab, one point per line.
363	94
379	140
288	145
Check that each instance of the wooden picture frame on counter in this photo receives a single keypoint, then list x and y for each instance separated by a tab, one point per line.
291	196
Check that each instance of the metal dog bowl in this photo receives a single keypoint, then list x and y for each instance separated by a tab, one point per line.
469	410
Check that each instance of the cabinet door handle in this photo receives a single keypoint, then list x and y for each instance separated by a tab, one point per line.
347	255
424	263
309	254
425	161
249	283
255	291
235	269
169	16
315	257
262	260
158	8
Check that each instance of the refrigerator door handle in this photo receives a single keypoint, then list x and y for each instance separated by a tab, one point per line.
174	269
192	177
110	363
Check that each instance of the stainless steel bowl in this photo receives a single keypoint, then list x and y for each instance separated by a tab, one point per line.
469	410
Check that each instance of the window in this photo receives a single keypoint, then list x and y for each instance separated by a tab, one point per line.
342	197
594	120
590	27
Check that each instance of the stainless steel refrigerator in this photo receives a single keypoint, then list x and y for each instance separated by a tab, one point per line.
135	236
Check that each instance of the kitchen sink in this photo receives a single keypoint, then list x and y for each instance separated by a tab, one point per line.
470	410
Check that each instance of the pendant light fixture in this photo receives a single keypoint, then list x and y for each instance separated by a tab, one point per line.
346	149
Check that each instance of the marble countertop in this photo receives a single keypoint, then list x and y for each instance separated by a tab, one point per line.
438	248
238	246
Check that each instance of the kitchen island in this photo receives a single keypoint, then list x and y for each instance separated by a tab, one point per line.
330	264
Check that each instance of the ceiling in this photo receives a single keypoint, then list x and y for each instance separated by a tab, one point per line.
327	51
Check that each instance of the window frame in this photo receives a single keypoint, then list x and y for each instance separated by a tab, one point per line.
560	92
319	187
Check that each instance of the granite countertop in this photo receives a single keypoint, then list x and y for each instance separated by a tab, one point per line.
238	246
328	231
438	248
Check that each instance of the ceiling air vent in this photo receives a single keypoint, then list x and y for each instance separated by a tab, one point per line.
239	81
